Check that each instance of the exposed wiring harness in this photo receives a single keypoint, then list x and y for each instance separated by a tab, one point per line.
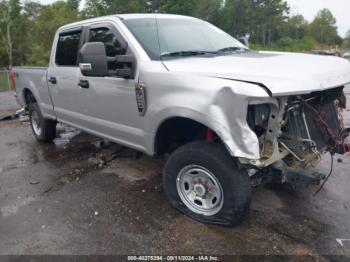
328	176
338	140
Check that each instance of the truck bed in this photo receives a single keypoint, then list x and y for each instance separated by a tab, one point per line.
33	79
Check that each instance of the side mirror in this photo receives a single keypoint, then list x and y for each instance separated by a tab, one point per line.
244	40
93	59
125	73
128	62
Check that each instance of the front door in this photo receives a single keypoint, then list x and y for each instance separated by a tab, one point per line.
110	102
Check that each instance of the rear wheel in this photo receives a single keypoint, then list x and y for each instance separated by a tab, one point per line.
43	129
202	181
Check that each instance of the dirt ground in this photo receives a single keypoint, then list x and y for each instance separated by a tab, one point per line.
82	195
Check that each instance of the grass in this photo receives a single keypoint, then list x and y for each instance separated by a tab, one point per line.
4	84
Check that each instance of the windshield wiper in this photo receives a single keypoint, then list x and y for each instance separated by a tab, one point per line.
186	53
232	49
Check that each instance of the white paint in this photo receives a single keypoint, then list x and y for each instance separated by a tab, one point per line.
282	73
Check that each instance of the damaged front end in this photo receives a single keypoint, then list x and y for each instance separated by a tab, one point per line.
295	131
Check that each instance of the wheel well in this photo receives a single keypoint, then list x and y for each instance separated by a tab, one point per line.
178	131
28	97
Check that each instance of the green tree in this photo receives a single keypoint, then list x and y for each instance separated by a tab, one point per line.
295	27
260	18
51	17
153	6
183	7
208	10
32	10
27	30
346	43
323	28
237	17
73	4
10	23
94	8
269	15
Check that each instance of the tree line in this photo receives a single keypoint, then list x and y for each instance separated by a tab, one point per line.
27	29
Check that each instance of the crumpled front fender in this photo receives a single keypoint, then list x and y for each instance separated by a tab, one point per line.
222	109
228	112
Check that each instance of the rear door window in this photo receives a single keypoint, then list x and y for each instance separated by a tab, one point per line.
67	48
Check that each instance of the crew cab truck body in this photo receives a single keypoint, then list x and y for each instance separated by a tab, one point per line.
179	87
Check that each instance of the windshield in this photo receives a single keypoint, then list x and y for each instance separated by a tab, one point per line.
181	37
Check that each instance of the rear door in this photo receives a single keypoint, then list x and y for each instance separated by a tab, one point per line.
63	77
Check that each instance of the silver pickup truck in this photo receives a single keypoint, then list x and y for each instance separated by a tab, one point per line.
225	117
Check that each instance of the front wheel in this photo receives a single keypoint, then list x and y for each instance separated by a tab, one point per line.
202	181
43	129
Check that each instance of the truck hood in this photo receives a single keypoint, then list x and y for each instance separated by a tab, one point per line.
279	73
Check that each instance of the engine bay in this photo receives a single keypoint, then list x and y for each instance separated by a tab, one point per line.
300	129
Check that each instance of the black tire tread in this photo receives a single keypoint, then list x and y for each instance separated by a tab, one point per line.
48	126
212	156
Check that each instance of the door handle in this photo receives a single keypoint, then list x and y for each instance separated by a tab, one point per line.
53	80
84	83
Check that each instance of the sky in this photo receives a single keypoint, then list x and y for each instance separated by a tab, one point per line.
309	9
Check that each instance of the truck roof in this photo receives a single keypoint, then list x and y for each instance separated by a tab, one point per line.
151	15
125	17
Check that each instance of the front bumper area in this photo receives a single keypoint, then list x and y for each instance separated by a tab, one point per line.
299	129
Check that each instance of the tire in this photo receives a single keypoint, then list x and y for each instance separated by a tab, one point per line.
43	129
207	166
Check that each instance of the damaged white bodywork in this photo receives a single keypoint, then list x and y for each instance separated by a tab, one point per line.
258	78
249	99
